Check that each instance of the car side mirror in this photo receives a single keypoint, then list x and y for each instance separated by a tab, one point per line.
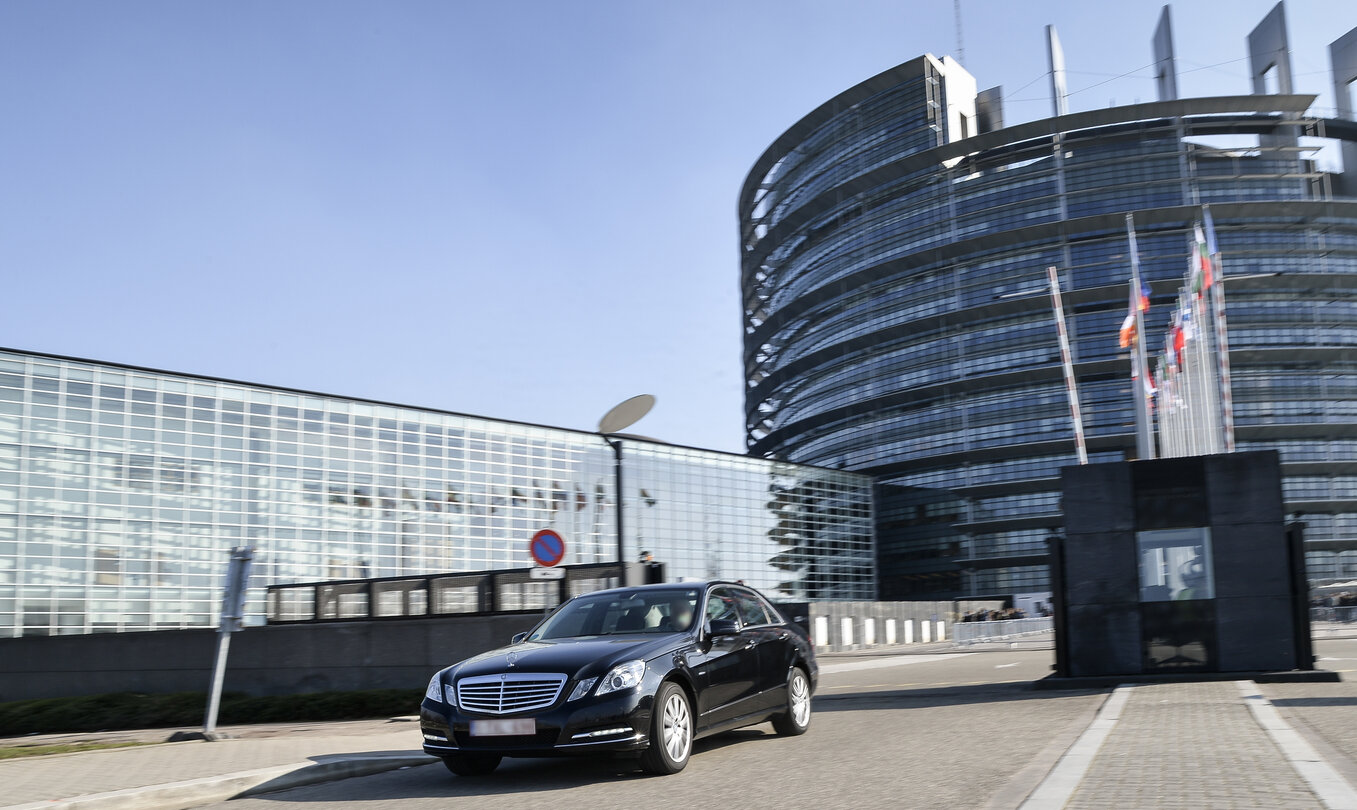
518	638
723	627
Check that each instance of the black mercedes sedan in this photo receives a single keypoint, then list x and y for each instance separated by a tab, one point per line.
645	670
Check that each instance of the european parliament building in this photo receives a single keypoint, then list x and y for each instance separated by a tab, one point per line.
894	246
123	490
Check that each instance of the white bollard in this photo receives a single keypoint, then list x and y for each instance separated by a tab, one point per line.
890	631
821	637
924	627
909	631
941	632
846	627
869	632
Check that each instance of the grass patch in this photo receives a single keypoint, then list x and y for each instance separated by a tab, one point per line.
18	751
127	710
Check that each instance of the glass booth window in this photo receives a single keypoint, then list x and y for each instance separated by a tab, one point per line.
1175	565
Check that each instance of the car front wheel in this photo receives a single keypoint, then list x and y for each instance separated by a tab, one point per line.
796	719
671	731
471	764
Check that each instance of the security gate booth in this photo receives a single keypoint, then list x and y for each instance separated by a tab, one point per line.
1179	567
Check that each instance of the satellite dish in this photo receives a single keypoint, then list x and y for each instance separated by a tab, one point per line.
625	414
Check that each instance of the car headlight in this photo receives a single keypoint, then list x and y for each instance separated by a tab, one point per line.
434	691
582	688
622	677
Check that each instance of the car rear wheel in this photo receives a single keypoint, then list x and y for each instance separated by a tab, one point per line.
796	719
671	731
471	764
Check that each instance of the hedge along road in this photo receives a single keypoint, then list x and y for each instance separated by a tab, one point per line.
889	731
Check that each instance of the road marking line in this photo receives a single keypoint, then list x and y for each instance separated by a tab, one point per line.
1005	666
893	661
1059	785
1331	788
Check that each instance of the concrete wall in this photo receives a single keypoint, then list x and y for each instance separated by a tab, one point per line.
384	654
272	660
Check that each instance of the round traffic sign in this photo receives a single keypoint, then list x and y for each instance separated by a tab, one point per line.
547	548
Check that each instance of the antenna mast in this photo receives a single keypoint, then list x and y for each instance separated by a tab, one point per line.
960	46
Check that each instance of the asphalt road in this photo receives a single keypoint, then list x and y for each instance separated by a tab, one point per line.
923	730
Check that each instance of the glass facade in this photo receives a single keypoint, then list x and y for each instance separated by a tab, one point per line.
122	491
897	320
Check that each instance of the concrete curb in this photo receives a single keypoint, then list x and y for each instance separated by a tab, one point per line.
196	792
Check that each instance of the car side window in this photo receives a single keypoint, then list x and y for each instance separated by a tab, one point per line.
752	610
721	605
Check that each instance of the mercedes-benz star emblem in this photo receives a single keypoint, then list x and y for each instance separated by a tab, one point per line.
512	658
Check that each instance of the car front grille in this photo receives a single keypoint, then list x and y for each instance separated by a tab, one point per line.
509	692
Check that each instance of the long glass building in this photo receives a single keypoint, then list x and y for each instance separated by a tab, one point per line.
894	247
122	491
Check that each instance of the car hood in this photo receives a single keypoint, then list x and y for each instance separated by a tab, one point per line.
575	657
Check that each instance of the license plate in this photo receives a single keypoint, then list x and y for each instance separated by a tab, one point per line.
516	727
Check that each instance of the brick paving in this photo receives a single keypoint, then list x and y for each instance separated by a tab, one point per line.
64	776
1189	745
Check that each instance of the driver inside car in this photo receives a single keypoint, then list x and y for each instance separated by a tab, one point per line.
680	616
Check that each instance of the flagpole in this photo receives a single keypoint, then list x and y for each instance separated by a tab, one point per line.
1068	365
1222	332
1139	371
1185	369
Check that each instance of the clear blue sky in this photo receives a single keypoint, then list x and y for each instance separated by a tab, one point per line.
516	209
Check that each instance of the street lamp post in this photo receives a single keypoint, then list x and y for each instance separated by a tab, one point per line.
619	418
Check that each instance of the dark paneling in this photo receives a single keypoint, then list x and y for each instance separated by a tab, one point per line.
1169	493
1101	569
1108	639
1255	633
1097	498
1245	488
1250	560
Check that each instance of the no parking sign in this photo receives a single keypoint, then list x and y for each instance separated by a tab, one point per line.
547	548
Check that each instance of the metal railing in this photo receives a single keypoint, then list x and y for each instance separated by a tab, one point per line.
434	595
1337	615
1003	630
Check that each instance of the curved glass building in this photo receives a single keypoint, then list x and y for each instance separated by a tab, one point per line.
894	246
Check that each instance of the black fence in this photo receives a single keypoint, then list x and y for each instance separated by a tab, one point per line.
500	591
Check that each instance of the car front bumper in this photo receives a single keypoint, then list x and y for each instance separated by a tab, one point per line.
590	725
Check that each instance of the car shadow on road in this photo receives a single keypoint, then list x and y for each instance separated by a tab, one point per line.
960	695
535	775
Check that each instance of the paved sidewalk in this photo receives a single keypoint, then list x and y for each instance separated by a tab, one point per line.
274	755
1216	744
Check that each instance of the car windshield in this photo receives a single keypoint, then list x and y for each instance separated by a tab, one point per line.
639	611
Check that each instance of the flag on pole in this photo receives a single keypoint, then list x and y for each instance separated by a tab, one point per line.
1201	276
1127	335
1138	303
1211	248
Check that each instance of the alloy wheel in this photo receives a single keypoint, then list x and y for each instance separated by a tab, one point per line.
678	727
800	699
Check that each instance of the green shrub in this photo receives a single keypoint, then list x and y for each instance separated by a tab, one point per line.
126	710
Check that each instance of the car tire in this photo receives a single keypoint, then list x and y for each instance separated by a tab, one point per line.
671	731
472	764
796	719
